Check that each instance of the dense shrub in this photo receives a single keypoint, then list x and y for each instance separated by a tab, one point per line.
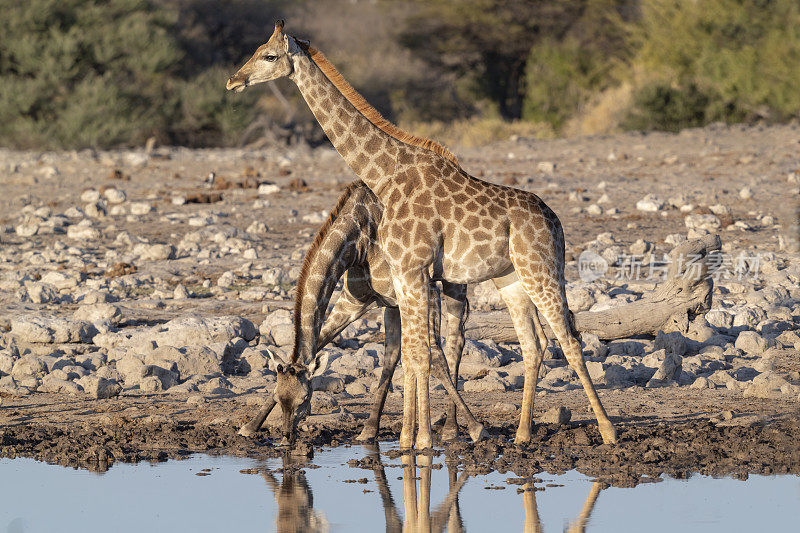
77	73
716	60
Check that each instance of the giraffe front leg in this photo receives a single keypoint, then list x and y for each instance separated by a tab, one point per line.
391	320
412	289
409	406
252	427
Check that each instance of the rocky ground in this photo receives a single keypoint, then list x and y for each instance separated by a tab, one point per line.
143	290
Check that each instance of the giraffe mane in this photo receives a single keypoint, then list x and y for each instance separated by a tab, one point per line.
369	112
311	253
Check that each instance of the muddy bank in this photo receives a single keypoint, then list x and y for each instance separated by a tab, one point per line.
746	444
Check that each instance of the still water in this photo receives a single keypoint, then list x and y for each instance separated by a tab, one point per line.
206	493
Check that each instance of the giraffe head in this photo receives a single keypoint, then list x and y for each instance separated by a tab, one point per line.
271	60
293	391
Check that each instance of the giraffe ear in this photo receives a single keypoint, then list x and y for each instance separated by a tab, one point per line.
290	45
319	365
275	362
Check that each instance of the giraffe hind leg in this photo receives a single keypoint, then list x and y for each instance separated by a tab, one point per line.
526	324
550	298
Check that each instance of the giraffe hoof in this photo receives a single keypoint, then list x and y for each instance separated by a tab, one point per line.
522	440
478	433
367	435
609	433
246	432
449	435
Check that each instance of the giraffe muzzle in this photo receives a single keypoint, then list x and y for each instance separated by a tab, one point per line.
236	85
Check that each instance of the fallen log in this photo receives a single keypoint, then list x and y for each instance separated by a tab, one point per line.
671	306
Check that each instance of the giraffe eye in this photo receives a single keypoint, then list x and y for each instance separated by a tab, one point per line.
270	58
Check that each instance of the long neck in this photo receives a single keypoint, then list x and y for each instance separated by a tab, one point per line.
369	151
339	249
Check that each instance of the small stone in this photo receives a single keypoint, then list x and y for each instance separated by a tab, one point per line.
702	222
268	188
504	408
154	252
640	247
720	210
257	228
90	196
594	210
27	230
702	383
485	384
151	384
650	203
226	280
114	196
196	399
140	208
83	233
746	193
180	292
557	415
750	342
99	388
547	167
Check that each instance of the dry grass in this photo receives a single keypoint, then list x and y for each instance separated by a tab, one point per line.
478	131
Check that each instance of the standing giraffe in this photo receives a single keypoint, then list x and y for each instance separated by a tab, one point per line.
437	217
346	245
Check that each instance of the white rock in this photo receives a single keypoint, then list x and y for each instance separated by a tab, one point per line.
90	196
594	210
706	222
547	167
154	252
226	280
257	228
27	230
557	415
115	196
61	279
41	293
180	292
29	366
279	327
99	388
83	233
746	193
750	342
268	188
485	384
650	203
97	313
39	329
140	208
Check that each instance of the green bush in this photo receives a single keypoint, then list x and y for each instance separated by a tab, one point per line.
725	60
565	70
662	107
76	73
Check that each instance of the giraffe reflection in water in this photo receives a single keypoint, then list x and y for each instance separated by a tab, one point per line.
296	511
534	525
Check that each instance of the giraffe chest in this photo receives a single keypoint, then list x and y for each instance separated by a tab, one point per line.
455	242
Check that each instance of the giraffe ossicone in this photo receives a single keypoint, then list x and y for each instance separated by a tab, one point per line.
438	220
